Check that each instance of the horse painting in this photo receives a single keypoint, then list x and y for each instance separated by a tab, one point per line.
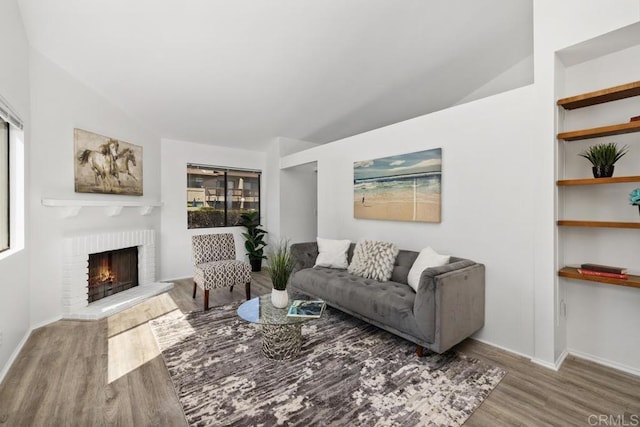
103	163
123	159
107	165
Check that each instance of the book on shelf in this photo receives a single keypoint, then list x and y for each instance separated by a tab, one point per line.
604	268
302	308
586	272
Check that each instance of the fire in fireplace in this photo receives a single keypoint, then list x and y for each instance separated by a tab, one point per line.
111	272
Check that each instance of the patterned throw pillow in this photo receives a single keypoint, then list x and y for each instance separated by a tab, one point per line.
373	260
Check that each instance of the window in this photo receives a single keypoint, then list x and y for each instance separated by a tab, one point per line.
4	185
217	196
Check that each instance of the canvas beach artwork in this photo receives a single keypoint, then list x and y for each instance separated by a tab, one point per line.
106	165
405	187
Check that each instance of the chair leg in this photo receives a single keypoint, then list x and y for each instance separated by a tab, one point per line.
194	289
420	351
247	290
206	299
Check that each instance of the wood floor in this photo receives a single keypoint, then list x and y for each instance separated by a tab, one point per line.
110	372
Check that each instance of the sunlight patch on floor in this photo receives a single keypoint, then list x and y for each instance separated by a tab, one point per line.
130	350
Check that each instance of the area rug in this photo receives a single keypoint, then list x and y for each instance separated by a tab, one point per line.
347	373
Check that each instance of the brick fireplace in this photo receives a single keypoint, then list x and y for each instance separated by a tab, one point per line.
75	289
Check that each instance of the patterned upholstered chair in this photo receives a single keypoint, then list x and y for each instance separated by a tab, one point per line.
215	265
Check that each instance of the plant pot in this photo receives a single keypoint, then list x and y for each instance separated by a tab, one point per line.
279	299
603	171
256	264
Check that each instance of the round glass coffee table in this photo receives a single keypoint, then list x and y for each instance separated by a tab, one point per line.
281	335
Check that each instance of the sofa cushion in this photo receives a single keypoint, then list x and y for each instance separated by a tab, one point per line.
374	260
387	303
332	253
428	258
403	264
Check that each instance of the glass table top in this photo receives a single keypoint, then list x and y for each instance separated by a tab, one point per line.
260	310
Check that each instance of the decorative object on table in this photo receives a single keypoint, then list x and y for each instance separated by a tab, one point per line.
634	198
374	375
603	157
215	265
106	165
302	308
280	265
404	187
254	239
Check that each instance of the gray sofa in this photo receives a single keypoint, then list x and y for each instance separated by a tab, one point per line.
448	307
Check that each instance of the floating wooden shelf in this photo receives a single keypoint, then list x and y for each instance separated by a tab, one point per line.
620	129
572	273
594	181
601	96
601	224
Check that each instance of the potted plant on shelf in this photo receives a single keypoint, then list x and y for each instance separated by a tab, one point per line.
254	238
280	264
603	157
634	198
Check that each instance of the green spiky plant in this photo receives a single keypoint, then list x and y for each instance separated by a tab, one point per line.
604	154
280	265
254	238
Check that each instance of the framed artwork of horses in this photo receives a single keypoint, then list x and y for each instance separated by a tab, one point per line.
106	165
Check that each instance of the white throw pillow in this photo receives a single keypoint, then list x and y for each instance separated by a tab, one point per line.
332	253
374	260
427	258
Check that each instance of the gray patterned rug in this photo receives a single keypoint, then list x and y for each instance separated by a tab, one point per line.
348	373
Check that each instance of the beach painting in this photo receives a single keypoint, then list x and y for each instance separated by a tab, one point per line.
405	187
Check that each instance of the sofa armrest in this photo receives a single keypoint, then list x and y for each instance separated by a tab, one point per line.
450	299
304	254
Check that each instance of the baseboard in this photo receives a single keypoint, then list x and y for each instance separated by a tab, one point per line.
605	362
175	279
14	355
44	323
21	344
555	366
508	350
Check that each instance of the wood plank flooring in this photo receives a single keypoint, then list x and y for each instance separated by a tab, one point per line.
110	372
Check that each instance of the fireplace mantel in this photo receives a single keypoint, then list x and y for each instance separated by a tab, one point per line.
113	207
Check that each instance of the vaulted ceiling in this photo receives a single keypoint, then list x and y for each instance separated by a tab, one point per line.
240	72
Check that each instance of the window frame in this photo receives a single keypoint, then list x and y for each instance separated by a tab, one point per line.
7	208
225	170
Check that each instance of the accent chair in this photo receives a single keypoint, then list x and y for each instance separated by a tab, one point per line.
215	265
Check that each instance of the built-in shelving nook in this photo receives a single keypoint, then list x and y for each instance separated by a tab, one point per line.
595	104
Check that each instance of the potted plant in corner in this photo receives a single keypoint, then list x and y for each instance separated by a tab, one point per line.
280	264
603	157
254	243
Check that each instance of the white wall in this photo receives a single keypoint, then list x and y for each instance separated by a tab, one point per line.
487	181
498	183
557	25
60	103
274	201
14	272
601	319
298	207
175	259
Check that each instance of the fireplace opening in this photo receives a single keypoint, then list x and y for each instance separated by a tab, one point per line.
111	272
